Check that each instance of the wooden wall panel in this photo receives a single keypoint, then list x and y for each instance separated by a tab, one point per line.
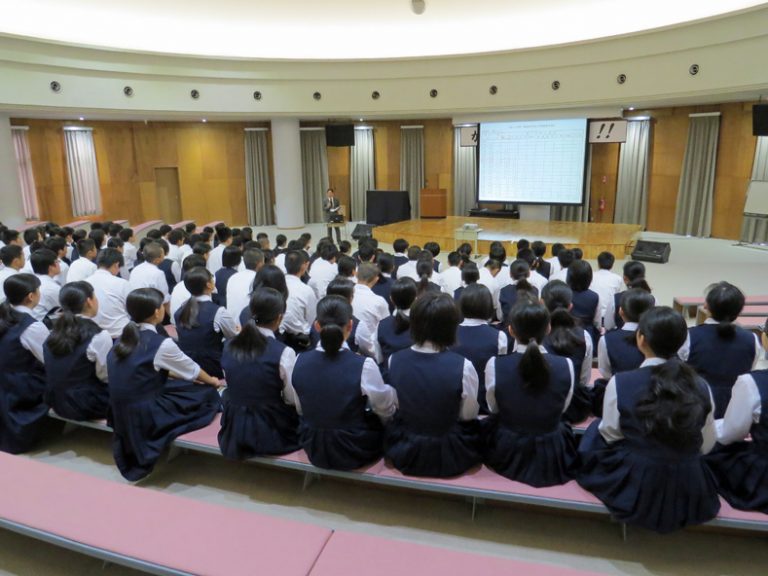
438	157
339	173
605	171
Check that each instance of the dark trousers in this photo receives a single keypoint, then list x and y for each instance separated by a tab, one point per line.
338	234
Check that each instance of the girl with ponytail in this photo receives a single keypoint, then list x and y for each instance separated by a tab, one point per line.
567	338
720	350
634	277
157	392
201	324
644	458
425	269
76	357
334	390
435	431
393	333
344	287
259	418
519	273
22	372
528	391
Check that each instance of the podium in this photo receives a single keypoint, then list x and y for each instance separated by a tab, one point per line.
433	202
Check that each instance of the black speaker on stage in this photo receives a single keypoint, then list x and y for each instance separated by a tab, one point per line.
362	231
651	251
760	120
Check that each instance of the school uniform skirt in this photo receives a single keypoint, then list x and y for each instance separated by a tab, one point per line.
23	412
741	470
259	430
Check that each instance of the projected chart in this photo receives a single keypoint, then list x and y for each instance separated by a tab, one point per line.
539	162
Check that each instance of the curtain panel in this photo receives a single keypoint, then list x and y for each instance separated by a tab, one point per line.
362	173
260	211
412	165
83	171
24	169
464	175
314	173
755	228
632	189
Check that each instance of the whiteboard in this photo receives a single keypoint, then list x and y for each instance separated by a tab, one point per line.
757	198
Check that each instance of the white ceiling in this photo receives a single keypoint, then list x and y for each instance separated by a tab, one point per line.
343	29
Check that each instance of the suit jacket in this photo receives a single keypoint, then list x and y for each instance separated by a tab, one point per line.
328	204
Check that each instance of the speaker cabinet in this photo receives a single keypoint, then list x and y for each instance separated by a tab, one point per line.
362	231
760	120
651	251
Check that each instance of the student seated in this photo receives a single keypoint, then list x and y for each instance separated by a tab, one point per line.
476	340
22	372
334	390
741	466
586	303
541	265
203	325
617	350
230	261
400	246
345	288
568	339
470	274
157	392
383	287
634	277
719	350
528	391
519	273
435	431
76	357
425	270
259	417
644	458
393	333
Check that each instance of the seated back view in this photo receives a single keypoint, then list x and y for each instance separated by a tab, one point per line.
202	324
435	431
526	438
76	357
157	392
259	417
519	272
334	389
476	339
394	332
617	350
644	458
22	373
718	349
586	303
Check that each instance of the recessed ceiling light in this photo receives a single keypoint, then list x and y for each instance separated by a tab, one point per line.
361	120
81	118
631	108
204	120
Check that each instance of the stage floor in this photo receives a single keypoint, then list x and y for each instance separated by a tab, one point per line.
592	238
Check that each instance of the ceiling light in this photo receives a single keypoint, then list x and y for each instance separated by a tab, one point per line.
204	120
81	118
631	108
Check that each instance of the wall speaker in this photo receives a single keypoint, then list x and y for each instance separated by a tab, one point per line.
257	95
317	95
556	85
375	95
651	251
55	86
194	94
433	93
128	91
760	120
363	231
493	89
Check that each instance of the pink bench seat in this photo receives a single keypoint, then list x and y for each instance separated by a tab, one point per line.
79	224
153	531
140	231
352	554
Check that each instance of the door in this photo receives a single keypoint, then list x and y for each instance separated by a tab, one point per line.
168	194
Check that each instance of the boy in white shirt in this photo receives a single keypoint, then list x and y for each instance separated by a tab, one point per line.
111	292
84	266
301	306
12	257
148	275
224	234
45	265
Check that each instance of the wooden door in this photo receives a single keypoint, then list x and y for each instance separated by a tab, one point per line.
168	194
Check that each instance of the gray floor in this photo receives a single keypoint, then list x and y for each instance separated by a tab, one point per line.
573	541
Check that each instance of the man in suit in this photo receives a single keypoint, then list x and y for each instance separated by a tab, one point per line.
331	208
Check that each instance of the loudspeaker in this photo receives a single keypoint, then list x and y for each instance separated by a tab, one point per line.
651	251
362	231
760	120
340	135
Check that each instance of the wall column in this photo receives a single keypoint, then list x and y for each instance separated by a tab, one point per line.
289	191
11	203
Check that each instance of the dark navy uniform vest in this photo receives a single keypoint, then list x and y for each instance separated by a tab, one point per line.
166	267
584	308
429	388
255	383
14	358
759	431
616	305
721	361
508	298
622	355
577	356
530	412
544	268
202	343
329	390
457	293
478	344
65	373
222	279
391	342
383	288
135	378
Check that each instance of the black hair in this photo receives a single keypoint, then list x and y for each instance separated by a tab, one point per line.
190	227
341	286
154	234
578	253
634	270
114	229
527	255
433	248
424	270
252	257
565	257
605	260
163	243
56	244
676	405
565	335
386	262
265	307
346	266
579	276
280	240
9	253
327	250
345	247
190	262
231	257
403	294
16	288
519	271
366	251
85	245
201	248
434	319
114	243
175	236
126	234
10	236
165	229
465	249
97	226
522	244
294	260
725	302
31	235
98	237
42	260
195	281
79	234
493	264
413	252
270	276
454	258
635	302
400	245
141	304
223	234
470	273
497	252
476	302
109	257
69	329
333	315
539	248
530	321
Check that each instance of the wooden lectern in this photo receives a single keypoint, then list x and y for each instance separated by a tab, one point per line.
433	202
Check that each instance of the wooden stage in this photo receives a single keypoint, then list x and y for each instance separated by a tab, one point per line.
593	238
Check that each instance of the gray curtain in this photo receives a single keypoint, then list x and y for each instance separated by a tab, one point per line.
693	216
362	172
260	210
314	173
464	175
576	213
632	189
755	229
412	165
